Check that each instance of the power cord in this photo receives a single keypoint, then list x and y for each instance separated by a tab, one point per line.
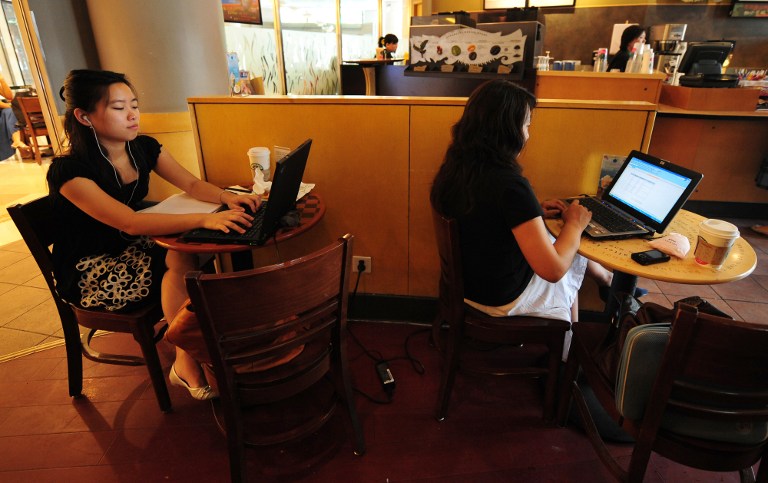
381	364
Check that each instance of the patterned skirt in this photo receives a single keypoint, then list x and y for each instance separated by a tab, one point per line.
125	281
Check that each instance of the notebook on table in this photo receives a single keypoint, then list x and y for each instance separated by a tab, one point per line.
643	198
282	198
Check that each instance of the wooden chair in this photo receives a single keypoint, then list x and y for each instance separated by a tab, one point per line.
33	115
696	394
464	321
293	312
35	223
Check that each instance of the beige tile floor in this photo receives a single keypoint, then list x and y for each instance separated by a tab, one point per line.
28	317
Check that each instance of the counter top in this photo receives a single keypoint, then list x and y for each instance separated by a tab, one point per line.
415	101
598	75
667	109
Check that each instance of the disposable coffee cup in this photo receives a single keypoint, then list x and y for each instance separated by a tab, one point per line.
716	237
258	158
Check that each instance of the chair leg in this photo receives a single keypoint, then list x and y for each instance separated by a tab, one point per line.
74	356
144	336
568	379
555	354
343	383
447	378
594	436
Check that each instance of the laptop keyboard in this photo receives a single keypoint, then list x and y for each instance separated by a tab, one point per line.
251	233
606	217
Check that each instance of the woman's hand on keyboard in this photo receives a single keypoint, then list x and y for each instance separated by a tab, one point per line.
235	219
249	201
553	208
577	214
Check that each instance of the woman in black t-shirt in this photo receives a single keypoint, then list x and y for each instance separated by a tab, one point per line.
103	257
511	265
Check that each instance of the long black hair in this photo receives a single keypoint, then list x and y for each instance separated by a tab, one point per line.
489	134
628	35
84	89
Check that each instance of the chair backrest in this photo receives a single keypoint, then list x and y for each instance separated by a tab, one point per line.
712	381
33	115
35	223
451	289
251	318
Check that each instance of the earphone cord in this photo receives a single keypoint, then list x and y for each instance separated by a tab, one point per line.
117	177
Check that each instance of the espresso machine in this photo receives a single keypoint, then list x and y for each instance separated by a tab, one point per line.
668	46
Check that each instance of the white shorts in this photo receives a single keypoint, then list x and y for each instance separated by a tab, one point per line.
545	299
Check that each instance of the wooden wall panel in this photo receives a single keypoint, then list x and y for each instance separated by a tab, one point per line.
358	160
430	137
566	148
727	151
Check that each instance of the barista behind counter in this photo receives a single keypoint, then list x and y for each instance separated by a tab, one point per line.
387	47
631	35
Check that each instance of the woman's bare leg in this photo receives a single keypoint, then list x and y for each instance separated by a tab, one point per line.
174	293
17	142
601	275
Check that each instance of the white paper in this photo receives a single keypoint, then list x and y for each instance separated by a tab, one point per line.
180	204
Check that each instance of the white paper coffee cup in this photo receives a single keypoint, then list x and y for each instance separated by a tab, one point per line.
258	158
716	237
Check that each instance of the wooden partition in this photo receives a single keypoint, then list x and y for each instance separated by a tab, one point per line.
373	160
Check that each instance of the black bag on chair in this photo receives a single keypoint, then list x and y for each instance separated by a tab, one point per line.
632	313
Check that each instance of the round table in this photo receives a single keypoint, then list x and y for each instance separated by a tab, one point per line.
311	210
615	254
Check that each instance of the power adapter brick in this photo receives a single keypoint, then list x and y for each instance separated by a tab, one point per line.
386	377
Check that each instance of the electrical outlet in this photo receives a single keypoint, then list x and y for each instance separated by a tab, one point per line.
356	261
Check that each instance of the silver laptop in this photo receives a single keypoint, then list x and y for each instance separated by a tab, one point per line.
643	198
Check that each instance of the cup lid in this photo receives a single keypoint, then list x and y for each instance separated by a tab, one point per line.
258	150
720	228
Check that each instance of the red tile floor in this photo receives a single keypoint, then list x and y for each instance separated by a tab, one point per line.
116	433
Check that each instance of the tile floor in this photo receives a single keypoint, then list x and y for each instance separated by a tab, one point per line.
117	433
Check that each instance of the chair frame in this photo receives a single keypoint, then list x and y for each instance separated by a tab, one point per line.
33	116
298	302
696	367
34	221
465	321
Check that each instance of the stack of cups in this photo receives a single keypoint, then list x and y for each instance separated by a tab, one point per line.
258	158
716	237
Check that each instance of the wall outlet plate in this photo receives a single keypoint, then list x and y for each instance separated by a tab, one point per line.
356	261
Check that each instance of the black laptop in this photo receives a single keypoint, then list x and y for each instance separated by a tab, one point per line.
642	199
282	198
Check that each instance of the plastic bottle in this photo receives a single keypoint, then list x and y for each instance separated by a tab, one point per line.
601	60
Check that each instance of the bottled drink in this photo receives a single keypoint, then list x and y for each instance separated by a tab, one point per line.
601	60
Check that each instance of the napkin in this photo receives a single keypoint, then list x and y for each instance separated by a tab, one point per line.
673	244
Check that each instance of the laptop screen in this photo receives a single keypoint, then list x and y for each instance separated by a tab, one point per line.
649	189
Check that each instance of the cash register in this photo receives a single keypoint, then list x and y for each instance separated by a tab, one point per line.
702	65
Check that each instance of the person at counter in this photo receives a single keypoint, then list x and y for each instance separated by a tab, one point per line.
103	256
512	266
387	47
631	35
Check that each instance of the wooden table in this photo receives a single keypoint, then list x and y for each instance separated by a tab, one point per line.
615	254
311	210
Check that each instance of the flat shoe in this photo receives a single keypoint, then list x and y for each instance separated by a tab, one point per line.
199	393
